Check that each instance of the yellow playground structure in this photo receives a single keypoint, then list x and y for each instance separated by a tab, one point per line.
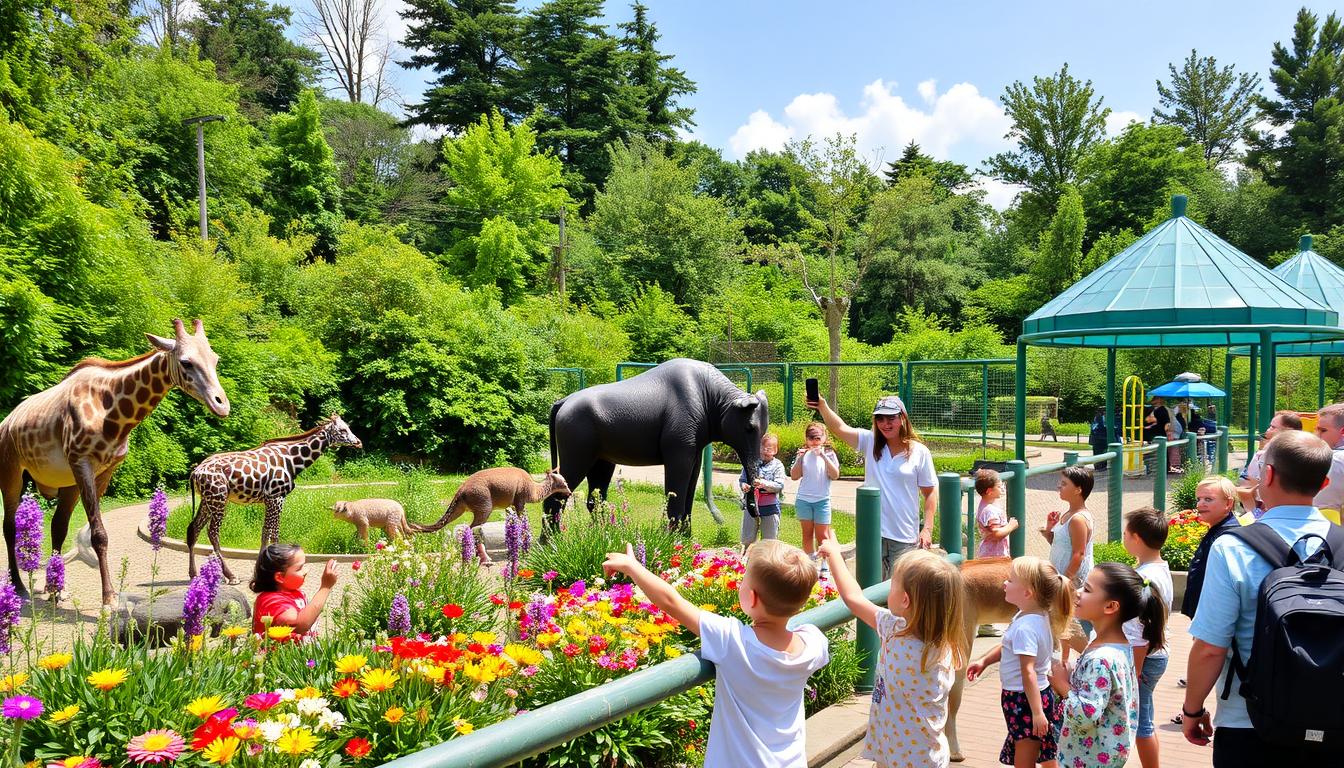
1132	423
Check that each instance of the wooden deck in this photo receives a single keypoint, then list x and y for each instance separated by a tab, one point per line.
981	721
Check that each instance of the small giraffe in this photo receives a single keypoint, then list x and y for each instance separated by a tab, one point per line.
262	475
71	437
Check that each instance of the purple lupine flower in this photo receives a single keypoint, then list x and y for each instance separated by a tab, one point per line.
55	573
511	543
640	553
399	618
467	540
538	612
158	517
11	610
28	534
200	597
524	534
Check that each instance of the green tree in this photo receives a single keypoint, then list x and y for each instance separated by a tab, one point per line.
953	177
658	328
302	184
1306	161
1125	178
657	87
1055	122
775	198
473	46
1105	247
385	175
1214	106
246	41
1059	260
503	193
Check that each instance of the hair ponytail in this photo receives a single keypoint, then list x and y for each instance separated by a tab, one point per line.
1061	609
1051	589
1137	599
1153	618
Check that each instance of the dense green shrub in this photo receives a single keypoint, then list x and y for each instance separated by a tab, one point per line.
1112	552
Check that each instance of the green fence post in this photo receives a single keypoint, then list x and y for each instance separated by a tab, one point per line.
1160	473
868	563
1115	492
583	379
1070	458
1017	506
1020	417
949	513
970	525
1191	448
1227	388
788	393
984	410
1223	440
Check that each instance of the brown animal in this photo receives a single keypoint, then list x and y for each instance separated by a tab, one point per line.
378	513
985	604
492	489
72	437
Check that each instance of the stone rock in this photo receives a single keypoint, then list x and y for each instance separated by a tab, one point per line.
492	534
133	620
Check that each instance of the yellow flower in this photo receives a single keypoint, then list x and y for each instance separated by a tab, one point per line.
709	607
197	641
578	629
522	655
348	665
547	639
55	661
205	706
63	715
33	764
393	715
221	751
296	741
672	652
434	674
484	638
107	679
478	672
615	621
463	727
279	633
307	693
379	679
12	682
234	631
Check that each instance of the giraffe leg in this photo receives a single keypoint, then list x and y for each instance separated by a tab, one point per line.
216	520
66	498
11	486
87	482
270	529
212	506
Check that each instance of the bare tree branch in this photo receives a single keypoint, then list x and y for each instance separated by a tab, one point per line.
345	32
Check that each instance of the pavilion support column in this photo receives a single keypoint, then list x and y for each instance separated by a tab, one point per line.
1111	426
1266	377
1020	387
1253	399
1227	389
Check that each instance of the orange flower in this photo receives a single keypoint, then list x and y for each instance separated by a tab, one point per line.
346	688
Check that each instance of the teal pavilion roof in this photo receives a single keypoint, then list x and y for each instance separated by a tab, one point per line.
1319	278
1180	285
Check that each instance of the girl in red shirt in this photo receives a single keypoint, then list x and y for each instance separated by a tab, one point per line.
278	582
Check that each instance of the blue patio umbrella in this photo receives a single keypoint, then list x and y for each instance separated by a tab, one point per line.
1184	389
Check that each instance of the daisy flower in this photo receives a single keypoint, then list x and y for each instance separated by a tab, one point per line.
107	679
221	751
157	746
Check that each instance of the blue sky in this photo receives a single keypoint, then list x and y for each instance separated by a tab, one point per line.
934	72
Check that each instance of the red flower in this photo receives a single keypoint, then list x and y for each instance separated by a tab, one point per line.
516	605
215	727
526	573
675	561
346	688
355	566
498	599
358	748
452	610
476	648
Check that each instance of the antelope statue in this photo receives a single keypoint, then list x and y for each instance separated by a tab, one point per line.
983	579
71	437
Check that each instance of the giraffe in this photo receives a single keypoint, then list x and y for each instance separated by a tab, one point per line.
262	475
71	437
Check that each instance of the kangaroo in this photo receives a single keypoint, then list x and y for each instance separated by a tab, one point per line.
492	489
378	513
985	604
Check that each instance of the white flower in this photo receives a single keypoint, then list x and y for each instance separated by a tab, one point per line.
271	730
479	694
330	721
310	763
286	694
312	707
295	721
599	581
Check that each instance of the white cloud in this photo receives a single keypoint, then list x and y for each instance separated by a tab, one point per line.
928	90
999	194
1118	119
760	132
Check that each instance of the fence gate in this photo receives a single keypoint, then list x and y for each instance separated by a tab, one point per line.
969	400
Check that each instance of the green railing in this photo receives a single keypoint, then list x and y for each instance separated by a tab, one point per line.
578	373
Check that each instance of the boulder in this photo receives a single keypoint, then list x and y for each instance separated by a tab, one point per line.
492	534
133	618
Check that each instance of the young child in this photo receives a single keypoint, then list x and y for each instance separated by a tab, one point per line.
1070	537
1044	600
1145	533
761	669
1101	704
278	582
815	466
922	647
769	486
991	522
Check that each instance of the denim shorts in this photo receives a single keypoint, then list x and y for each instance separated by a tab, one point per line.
1153	668
815	511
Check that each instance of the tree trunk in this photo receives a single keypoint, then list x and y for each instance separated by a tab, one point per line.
835	309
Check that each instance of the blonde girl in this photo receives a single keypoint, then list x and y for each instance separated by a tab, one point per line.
815	466
1044	599
922	647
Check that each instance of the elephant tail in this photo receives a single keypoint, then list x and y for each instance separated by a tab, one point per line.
555	409
449	515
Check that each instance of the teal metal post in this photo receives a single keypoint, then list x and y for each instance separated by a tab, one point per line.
1227	390
984	408
1160	473
949	514
1252	411
1020	417
788	393
868	563
1115	492
1070	458
970	525
1111	426
1221	466
1320	387
1191	448
1266	377
1017	505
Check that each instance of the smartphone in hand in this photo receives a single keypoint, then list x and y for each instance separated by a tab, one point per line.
813	392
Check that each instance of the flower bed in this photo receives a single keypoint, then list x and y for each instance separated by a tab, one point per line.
428	650
1184	533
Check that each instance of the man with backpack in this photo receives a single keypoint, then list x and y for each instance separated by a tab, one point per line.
1279	695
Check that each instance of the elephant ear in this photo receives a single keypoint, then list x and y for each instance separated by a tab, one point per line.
747	402
760	395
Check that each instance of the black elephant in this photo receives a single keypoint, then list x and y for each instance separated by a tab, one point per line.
666	415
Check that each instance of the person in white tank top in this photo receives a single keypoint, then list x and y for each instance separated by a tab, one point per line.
1070	536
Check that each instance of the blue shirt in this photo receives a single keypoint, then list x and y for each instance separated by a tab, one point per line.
1227	605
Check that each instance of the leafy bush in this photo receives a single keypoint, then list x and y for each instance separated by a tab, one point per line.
834	682
1112	552
578	552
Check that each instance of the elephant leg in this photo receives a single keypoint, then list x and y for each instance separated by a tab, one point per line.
599	480
11	486
679	476
575	464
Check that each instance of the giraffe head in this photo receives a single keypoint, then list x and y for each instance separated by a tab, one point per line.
191	366
338	433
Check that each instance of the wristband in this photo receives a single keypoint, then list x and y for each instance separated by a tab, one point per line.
1201	713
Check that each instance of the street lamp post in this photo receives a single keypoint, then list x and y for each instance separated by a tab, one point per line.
200	122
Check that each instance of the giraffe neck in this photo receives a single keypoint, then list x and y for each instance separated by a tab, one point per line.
306	451
130	394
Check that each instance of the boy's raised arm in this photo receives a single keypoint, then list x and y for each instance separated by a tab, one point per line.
863	609
659	592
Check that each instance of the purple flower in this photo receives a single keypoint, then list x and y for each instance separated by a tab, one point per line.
311	663
550	576
640	553
11	609
578	588
200	597
524	534
55	573
28	534
158	517
467	540
399	618
512	545
22	708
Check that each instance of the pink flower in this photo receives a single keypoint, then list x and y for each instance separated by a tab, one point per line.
1101	682
157	746
262	701
22	708
1104	758
355	566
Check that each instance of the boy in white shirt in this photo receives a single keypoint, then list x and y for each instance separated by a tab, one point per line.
761	669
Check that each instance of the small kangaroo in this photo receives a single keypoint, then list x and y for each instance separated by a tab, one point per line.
983	580
378	513
492	489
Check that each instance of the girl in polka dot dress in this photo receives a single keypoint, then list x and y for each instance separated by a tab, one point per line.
920	630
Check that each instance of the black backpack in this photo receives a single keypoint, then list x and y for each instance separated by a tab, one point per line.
1291	681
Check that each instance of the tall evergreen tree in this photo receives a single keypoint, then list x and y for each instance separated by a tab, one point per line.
302	184
1306	162
1059	260
246	41
473	46
657	87
1214	106
953	177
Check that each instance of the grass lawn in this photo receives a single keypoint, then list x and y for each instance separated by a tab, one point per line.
308	521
